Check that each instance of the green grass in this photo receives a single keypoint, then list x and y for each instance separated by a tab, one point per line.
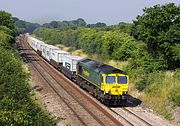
160	92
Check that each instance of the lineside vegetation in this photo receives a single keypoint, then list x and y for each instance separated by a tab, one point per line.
16	106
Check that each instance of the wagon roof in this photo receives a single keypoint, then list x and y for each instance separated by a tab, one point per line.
74	57
51	46
60	51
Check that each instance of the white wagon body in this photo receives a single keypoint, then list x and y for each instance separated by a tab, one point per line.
58	55
47	51
33	43
70	62
39	45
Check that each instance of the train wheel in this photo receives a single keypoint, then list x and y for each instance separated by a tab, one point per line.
83	83
78	81
102	99
95	94
91	90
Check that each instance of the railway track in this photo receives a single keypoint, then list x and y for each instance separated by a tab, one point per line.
55	90
139	121
37	68
53	76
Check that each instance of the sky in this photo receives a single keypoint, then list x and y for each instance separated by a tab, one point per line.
92	11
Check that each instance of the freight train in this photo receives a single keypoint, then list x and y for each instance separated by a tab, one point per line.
106	83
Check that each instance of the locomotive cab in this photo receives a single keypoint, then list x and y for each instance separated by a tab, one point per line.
114	84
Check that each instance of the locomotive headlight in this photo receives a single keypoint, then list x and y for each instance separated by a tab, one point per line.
124	92
107	91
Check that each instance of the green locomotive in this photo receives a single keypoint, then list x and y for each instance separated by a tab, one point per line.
103	81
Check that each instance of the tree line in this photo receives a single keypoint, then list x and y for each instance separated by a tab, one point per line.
24	26
28	27
111	44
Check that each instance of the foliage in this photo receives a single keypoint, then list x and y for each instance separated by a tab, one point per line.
142	84
159	28
158	50
66	24
175	96
142	59
16	106
177	74
97	25
5	39
90	40
123	27
6	20
118	45
24	27
6	30
175	93
111	44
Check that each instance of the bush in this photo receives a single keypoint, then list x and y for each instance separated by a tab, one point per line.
16	106
176	75
175	96
118	45
159	28
142	84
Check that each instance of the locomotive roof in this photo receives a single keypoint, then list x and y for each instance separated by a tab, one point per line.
101	67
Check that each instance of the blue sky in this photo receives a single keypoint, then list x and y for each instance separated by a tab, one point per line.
92	11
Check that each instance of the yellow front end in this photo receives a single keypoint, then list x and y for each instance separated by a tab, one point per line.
115	84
